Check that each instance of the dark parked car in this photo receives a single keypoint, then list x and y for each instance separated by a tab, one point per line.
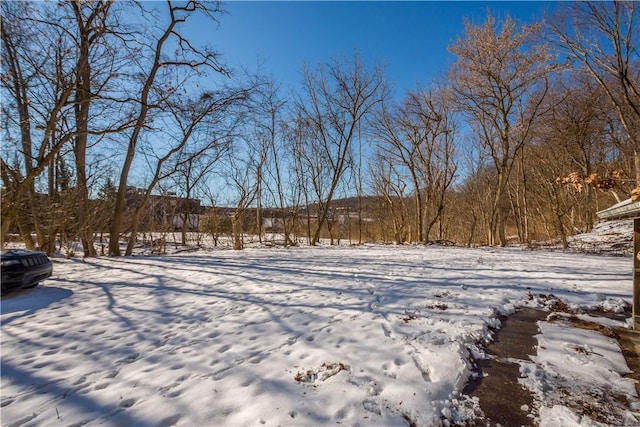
24	269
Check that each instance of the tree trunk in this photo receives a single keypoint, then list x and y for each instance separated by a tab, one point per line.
81	110
236	230
118	212
498	235
636	161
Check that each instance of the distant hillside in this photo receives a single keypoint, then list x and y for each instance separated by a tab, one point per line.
352	204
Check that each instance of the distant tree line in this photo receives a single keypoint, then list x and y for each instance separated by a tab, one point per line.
534	129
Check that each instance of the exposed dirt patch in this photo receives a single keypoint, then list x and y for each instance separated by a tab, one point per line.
594	404
629	342
584	324
322	373
408	318
552	303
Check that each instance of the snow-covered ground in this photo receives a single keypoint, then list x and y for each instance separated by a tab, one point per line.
369	335
607	237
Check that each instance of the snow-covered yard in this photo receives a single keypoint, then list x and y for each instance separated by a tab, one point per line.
373	335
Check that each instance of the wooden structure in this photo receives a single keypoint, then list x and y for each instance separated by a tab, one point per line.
629	209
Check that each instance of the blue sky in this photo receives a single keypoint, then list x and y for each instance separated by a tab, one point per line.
410	37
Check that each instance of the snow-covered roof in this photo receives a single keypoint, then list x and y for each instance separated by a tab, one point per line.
623	210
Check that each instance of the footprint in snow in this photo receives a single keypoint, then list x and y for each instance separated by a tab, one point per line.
170	421
129	359
372	406
113	373
174	394
373	389
424	371
256	359
385	330
127	403
247	382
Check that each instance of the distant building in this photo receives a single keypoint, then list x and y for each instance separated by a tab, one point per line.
165	211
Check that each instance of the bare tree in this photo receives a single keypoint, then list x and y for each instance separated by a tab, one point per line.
337	96
191	172
390	185
500	78
469	205
275	136
38	88
401	138
418	135
200	128
603	37
242	162
548	199
305	165
92	26
577	123
186	58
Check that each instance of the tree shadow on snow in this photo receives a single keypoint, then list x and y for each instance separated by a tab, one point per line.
28	302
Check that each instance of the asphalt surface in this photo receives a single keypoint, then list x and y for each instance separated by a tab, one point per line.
502	399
